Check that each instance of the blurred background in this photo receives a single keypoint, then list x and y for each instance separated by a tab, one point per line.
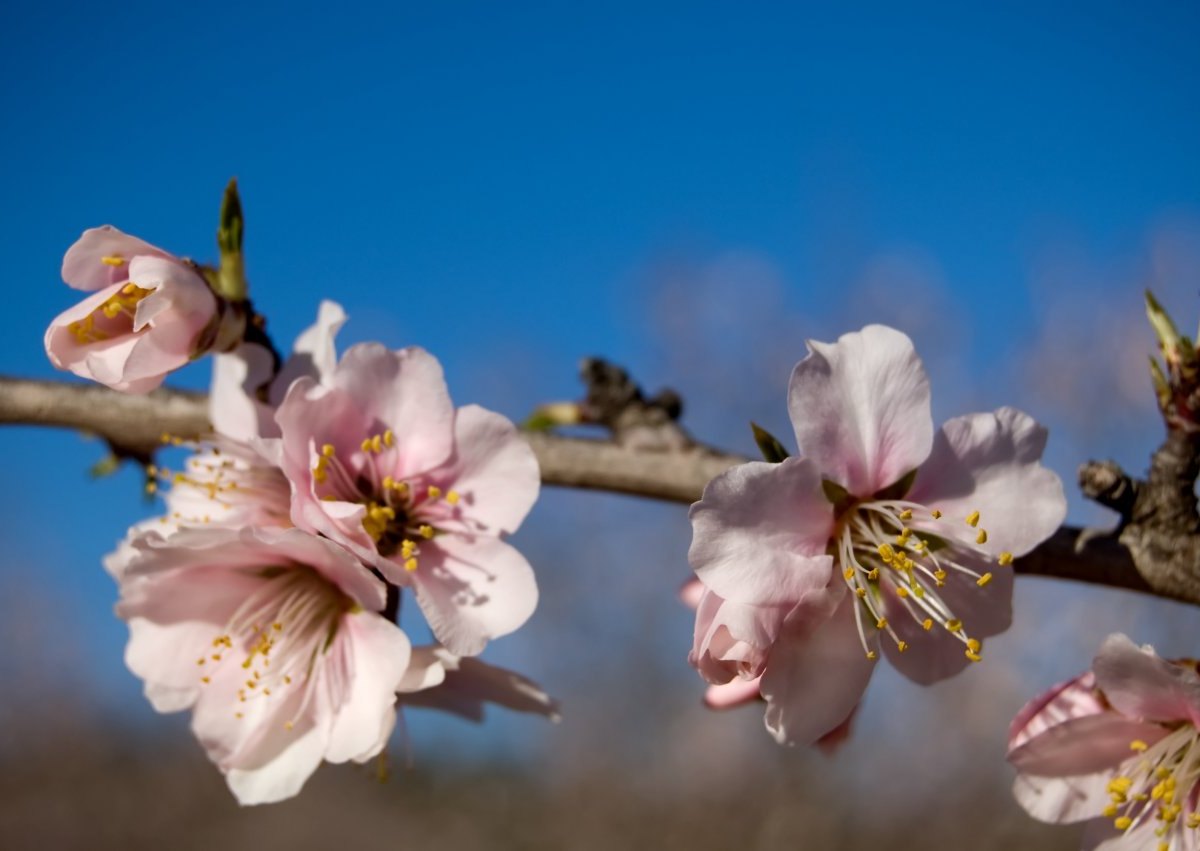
691	190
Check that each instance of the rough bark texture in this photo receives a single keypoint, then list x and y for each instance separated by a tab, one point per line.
664	462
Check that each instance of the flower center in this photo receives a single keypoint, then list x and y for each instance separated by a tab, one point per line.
111	319
878	553
223	481
399	514
280	635
1157	784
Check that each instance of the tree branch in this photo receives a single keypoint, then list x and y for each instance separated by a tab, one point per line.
675	471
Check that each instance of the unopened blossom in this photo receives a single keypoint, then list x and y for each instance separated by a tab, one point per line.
272	639
1117	747
381	461
148	313
883	537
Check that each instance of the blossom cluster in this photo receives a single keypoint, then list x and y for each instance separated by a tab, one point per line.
265	599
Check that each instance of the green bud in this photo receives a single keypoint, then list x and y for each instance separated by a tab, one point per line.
768	444
230	281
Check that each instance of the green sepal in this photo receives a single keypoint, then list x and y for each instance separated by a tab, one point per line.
837	495
768	444
231	282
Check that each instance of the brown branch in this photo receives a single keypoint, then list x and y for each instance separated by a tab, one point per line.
134	425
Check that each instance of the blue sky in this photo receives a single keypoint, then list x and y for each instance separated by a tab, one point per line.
505	184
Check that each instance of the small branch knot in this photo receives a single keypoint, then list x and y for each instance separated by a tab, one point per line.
1106	483
615	401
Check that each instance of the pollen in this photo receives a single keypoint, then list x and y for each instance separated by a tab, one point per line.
434	492
1138	745
927	624
388	438
981	538
935	514
1006	558
849	573
1122	823
871	655
426	530
112	260
954	625
973	519
452	497
881	623
983	580
410	564
901	591
901	646
906	514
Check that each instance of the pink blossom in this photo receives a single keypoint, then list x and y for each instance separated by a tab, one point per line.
885	533
149	313
1117	747
381	461
271	638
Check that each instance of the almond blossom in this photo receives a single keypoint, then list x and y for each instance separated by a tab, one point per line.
1117	747
149	312
886	536
381	461
271	638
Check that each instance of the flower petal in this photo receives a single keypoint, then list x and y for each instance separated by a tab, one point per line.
760	531
83	268
732	694
1074	698
991	463
493	470
471	684
1141	685
405	391
314	354
233	406
1063	800
817	671
381	655
860	408
1083	745
470	590
733	639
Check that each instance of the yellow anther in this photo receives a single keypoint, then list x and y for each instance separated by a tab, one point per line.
1138	745
901	591
906	514
287	680
434	492
848	573
410	564
1005	559
1122	823
112	260
1193	820
277	626
388	483
901	646
927	624
954	624
983	580
1111	810
287	725
201	661
935	514
237	715
327	450
873	574
151	486
881	623
904	535
861	592
426	530
366	444
981	538
319	475
452	497
871	655
205	680
407	548
1119	785
388	438
376	444
973	519
886	553
973	656
974	645
129	289
940	576
918	591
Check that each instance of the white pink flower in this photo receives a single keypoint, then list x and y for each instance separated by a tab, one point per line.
271	638
1117	747
463	686
885	533
381	461
149	312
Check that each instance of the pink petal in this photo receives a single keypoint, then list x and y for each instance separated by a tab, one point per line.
732	694
1141	685
817	672
991	463
470	590
1064	800
406	392
82	267
733	639
314	353
233	406
1083	745
1073	698
760	531
860	408
691	592
493	470
381	655
470	684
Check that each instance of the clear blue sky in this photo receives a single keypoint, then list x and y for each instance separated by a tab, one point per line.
494	181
